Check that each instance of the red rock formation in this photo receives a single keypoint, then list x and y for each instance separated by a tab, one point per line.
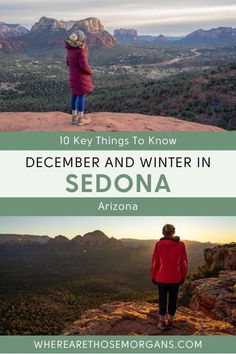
104	121
224	257
216	297
126	35
49	32
46	23
134	318
92	27
12	31
6	45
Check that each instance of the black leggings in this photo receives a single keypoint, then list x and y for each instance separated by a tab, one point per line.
168	292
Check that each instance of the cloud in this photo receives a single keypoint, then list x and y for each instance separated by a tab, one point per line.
152	16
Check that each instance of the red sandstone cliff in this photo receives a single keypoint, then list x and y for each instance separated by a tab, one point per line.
135	318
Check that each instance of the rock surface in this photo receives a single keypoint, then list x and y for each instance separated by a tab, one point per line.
49	31
8	45
218	35
126	35
103	121
131	318
222	256
216	297
12	31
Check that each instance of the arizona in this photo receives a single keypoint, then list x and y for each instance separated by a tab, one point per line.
117	206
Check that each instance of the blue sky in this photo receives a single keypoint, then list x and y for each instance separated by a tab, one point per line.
170	17
214	229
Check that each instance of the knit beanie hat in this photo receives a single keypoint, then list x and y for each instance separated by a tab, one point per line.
76	39
77	36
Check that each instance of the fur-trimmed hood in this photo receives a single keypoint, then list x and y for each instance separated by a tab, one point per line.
72	44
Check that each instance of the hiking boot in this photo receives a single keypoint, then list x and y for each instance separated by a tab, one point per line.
162	326
84	121
74	119
169	325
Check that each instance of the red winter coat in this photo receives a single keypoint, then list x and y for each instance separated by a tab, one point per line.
169	261
80	71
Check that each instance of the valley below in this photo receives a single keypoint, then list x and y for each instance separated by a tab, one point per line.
48	283
194	84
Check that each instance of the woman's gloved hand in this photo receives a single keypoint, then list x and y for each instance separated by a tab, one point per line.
181	283
154	281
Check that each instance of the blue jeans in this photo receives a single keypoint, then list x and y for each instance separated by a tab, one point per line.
77	102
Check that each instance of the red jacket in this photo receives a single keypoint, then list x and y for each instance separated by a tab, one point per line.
79	71
169	261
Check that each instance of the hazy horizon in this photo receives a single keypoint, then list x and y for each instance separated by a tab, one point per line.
172	18
202	229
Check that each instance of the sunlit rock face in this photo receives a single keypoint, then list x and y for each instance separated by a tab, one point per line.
141	318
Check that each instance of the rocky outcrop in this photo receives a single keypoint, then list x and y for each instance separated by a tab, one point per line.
46	23
90	24
8	31
96	239
9	35
59	241
49	32
216	297
135	318
6	238
220	35
223	257
103	121
9	45
96	35
126	35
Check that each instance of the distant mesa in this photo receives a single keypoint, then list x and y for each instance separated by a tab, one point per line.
10	34
77	239
126	35
58	241
49	32
92	239
15	239
90	24
220	35
8	31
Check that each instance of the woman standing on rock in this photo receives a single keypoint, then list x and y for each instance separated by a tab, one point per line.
168	271
79	74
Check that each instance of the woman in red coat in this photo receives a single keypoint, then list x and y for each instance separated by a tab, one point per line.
79	74
168	271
